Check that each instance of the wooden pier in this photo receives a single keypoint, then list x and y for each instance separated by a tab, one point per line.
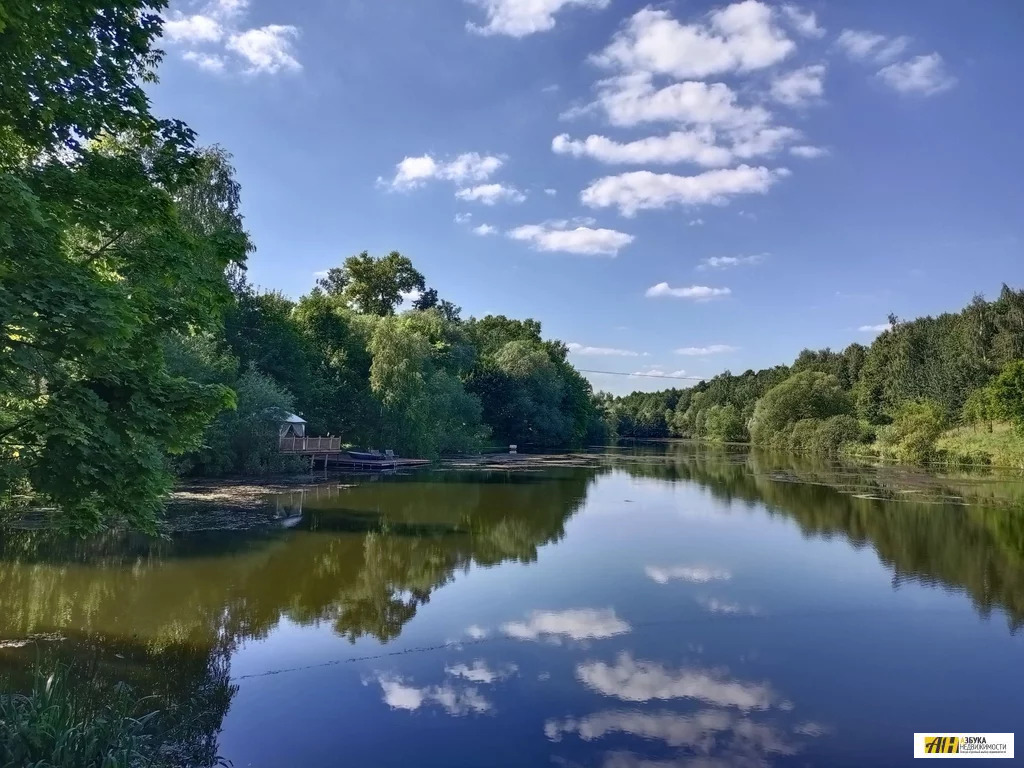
327	453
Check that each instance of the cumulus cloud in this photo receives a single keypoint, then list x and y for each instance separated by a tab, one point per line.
804	22
799	87
463	218
631	99
808	151
583	240
695	292
455	701
257	50
581	349
881	327
710	349
211	62
644	190
519	18
476	632
695	574
861	45
414	172
573	624
740	37
925	75
632	680
550	192
266	49
480	672
196	28
491	194
695	146
726	262
484	230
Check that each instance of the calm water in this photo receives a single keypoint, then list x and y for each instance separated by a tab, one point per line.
700	608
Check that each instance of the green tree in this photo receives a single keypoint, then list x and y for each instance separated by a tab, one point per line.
375	286
1008	393
807	395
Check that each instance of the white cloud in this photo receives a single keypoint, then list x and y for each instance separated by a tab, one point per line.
192	29
414	172
714	605
470	166
657	372
926	75
632	99
799	87
550	192
725	262
266	49
410	296
695	146
476	632
519	18
454	701
804	22
762	141
490	194
710	349
695	574
484	230
643	190
632	680
695	292
861	45
209	62
695	223
584	240
808	151
463	218
881	327
581	349
706	732
480	672
738	38
574	624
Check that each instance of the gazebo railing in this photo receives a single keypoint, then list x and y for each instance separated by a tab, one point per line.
309	444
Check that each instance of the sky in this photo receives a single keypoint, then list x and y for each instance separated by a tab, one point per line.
677	188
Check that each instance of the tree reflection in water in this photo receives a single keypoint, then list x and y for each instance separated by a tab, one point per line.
167	615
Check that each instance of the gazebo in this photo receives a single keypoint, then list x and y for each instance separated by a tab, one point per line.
290	425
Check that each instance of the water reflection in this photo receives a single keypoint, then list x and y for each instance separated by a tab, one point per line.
362	562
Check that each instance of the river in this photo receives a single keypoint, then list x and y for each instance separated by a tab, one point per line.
670	606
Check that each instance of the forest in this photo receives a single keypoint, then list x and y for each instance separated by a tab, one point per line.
135	350
946	388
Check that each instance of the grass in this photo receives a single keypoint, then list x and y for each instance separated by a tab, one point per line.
59	726
1002	447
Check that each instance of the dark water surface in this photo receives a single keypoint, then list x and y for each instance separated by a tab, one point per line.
697	608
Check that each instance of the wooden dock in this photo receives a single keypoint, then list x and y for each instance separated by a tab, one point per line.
327	453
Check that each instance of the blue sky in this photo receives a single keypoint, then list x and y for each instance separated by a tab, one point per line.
677	186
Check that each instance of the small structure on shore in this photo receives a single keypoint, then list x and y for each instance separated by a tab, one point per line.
290	425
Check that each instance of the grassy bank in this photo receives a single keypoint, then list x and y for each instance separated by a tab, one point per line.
1002	447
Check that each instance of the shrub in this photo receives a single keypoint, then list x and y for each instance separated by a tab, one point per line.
911	436
835	432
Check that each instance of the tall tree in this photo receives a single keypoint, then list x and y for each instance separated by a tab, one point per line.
375	286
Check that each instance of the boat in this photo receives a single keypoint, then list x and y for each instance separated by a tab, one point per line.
366	456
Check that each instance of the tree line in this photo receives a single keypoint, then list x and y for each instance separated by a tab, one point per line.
133	347
895	396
